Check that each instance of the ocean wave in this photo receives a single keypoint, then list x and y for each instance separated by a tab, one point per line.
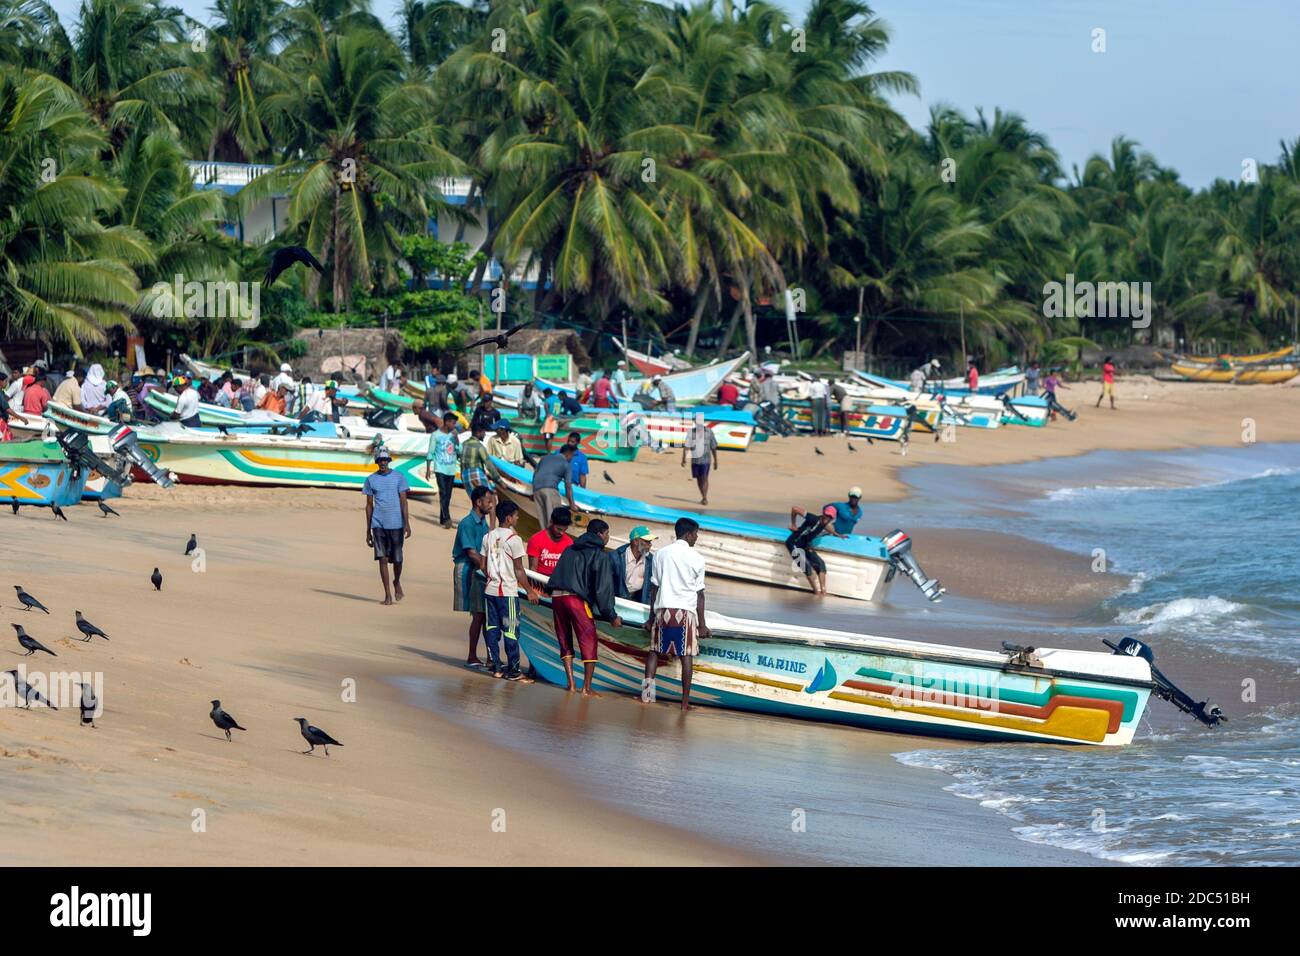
1158	617
1071	493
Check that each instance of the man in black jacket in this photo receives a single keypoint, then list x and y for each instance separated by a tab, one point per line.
582	589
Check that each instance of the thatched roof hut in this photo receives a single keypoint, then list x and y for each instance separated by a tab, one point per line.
349	355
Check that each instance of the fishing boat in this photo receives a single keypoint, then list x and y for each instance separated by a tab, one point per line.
41	473
692	387
648	365
1024	694
994	383
1257	373
859	566
219	416
601	437
963	409
886	422
734	429
1276	355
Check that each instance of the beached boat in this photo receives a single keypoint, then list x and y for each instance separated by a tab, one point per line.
649	365
733	429
1276	355
887	422
219	416
692	387
859	566
964	409
601	438
994	383
40	473
1019	694
1261	373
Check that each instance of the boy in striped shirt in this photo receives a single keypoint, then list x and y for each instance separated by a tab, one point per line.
503	551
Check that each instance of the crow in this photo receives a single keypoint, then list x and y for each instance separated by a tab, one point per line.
27	601
315	736
89	705
818	450
499	339
105	510
29	643
191	545
27	693
223	720
88	629
284	258
607	478
851	448
58	512
156	578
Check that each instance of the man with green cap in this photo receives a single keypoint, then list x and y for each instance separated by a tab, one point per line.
633	565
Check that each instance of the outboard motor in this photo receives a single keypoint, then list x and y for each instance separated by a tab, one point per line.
124	442
899	548
381	418
1205	712
1010	406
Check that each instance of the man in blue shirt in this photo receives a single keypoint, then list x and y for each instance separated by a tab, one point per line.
578	467
467	563
846	514
388	524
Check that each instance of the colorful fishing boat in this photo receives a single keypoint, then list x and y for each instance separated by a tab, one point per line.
649	365
964	409
733	429
1262	373
1276	355
1043	695
995	383
886	422
858	566
219	416
691	387
40	473
601	438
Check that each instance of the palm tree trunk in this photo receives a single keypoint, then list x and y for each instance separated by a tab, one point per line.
701	299
731	328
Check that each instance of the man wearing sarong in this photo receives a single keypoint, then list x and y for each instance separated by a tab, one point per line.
676	621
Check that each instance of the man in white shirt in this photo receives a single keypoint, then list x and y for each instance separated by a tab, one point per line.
187	403
676	619
818	393
389	379
285	378
504	553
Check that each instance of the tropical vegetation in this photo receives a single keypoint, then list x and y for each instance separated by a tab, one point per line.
685	171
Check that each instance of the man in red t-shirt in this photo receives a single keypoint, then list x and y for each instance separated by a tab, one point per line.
36	398
728	393
545	547
600	392
972	376
1107	382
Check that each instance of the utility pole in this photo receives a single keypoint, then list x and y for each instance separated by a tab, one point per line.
857	320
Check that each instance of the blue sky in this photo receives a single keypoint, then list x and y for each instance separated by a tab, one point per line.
1202	84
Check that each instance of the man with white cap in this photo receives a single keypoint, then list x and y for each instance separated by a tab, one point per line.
285	378
388	523
920	375
619	378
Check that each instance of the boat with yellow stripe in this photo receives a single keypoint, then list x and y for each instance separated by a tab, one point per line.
1257	374
1042	695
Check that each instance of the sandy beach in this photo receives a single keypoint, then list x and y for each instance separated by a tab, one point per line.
282	619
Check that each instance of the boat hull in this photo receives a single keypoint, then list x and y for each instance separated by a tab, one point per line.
36	473
1267	375
600	439
911	690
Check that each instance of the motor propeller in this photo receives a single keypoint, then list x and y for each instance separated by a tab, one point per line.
1207	713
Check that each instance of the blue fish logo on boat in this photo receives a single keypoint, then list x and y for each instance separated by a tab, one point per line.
825	679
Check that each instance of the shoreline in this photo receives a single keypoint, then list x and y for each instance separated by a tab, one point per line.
285	610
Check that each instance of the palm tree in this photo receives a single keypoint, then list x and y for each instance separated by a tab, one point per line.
242	59
360	154
63	275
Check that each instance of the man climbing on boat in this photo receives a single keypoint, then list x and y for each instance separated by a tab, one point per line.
582	589
800	543
676	616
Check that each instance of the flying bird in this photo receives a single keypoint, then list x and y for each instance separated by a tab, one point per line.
156	578
607	478
58	512
89	705
315	736
27	693
818	450
191	545
27	601
88	629
29	643
499	339
105	510
286	257
223	720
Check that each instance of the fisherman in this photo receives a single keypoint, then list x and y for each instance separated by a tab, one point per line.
702	445
276	400
1107	382
1032	375
36	397
504	444
503	552
634	565
283	377
1050	385
769	390
676	618
388	523
187	402
467	561
844	514
530	405
663	394
619	377
6	410
803	537
601	392
325	403
119	402
388	379
921	375
582	588
68	391
972	375
443	458
551	470
728	391
93	397
579	467
486	415
475	463
569	405
546	546
819	406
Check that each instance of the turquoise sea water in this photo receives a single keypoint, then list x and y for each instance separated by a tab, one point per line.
1211	539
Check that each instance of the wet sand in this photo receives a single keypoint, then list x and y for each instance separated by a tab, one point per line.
285	611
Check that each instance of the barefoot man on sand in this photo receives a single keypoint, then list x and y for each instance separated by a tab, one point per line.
676	619
467	559
388	524
582	588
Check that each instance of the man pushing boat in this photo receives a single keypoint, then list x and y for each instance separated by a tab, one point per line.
582	588
676	618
